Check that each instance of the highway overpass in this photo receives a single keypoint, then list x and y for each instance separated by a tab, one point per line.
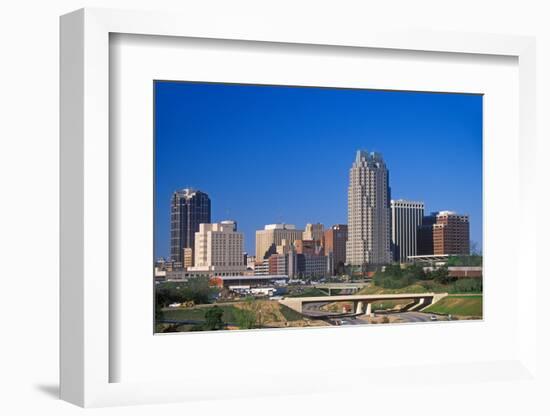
328	287
362	304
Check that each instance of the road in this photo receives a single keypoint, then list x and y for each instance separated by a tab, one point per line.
313	310
413	316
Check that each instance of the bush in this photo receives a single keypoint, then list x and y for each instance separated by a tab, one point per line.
213	318
441	275
473	260
467	286
429	285
246	318
395	277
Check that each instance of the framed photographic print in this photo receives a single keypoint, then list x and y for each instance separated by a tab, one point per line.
228	252
244	206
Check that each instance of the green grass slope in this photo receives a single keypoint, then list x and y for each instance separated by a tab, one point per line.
460	305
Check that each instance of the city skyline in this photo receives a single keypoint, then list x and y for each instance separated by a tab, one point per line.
307	176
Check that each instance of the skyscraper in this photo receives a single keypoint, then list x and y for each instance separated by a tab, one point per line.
368	242
406	218
188	208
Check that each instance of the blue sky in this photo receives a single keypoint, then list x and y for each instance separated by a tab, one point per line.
268	154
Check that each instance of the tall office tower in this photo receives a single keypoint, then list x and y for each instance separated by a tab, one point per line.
335	243
313	232
368	242
272	236
444	232
406	218
188	208
219	249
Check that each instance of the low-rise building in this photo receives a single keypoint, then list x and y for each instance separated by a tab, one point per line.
312	265
261	268
251	281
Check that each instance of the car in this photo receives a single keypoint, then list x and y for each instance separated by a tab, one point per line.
433	318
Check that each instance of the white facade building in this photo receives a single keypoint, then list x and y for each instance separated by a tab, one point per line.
368	212
219	249
406	218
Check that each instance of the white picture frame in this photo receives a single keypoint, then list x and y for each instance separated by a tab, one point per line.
86	331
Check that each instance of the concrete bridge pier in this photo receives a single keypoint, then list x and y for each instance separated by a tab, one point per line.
368	311
362	307
420	305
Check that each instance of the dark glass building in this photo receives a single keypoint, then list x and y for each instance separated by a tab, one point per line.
188	209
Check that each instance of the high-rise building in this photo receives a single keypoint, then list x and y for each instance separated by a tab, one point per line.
272	236
335	239
368	242
188	208
444	233
406	218
425	236
313	232
219	249
451	233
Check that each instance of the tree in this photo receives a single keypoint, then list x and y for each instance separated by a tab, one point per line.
213	318
415	272
396	277
159	313
197	289
474	249
441	275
